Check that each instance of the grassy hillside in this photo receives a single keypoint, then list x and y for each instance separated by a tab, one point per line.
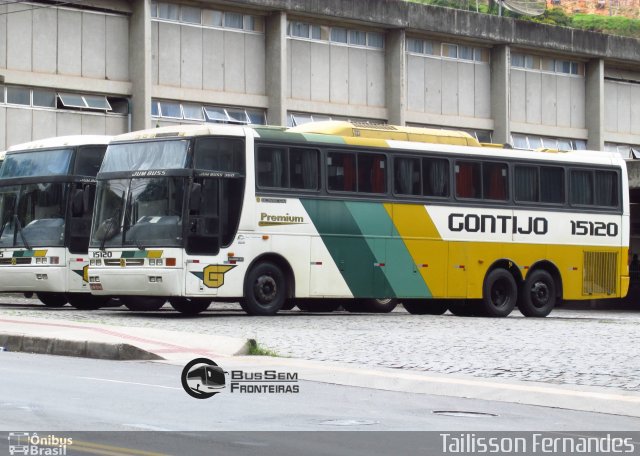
614	25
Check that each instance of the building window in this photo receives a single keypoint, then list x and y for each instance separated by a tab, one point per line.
209	18
447	50
201	113
546	64
357	38
352	37
521	141
18	95
338	35
44	98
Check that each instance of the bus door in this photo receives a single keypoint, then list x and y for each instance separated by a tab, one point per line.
214	212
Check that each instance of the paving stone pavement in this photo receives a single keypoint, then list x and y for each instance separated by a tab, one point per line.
582	347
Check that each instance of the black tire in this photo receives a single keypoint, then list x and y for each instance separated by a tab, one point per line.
499	294
190	306
265	290
143	303
53	299
538	294
353	305
426	306
317	305
86	301
462	307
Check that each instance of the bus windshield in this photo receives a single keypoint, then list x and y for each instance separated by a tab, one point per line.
37	163
145	155
139	212
33	215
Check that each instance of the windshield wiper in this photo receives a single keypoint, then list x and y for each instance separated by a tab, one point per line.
19	227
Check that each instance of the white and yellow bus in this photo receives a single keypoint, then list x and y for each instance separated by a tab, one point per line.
337	213
47	190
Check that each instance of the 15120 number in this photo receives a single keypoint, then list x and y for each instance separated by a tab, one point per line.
586	228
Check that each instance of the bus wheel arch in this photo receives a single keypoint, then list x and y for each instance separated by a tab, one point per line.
265	275
541	290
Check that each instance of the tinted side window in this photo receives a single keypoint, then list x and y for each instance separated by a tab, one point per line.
581	187
219	154
606	188
526	185
406	176
495	181
552	185
468	179
341	171
372	173
435	177
304	169
88	160
272	167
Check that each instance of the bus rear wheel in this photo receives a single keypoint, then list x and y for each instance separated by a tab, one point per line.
86	301
53	299
426	306
265	289
538	294
143	303
317	305
190	306
499	294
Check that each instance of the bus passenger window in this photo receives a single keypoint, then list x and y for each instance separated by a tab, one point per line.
581	187
552	184
526	183
272	167
606	193
407	176
495	181
219	154
371	173
341	172
303	168
468	180
435	177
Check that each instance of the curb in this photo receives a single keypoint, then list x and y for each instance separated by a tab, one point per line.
76	348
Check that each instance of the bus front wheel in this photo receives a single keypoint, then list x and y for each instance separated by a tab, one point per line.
53	299
143	303
426	306
265	290
190	306
538	294
86	301
499	294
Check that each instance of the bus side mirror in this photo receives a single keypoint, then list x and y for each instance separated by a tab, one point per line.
77	203
194	197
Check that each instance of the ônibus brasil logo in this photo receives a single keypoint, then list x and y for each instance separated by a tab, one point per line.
31	444
203	378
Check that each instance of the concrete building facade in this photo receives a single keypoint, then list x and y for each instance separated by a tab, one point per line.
111	66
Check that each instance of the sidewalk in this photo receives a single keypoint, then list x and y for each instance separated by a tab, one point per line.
58	337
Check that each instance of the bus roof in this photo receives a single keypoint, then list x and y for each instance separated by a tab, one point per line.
182	131
372	135
62	141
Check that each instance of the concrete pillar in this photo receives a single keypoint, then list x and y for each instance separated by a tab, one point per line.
500	93
396	76
594	107
140	64
276	67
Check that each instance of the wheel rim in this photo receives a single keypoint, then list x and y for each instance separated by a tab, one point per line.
265	289
500	293
384	301
540	294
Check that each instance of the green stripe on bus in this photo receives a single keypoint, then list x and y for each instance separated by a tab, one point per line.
349	250
390	250
331	139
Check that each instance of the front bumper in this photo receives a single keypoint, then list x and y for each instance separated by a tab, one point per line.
136	282
34	279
